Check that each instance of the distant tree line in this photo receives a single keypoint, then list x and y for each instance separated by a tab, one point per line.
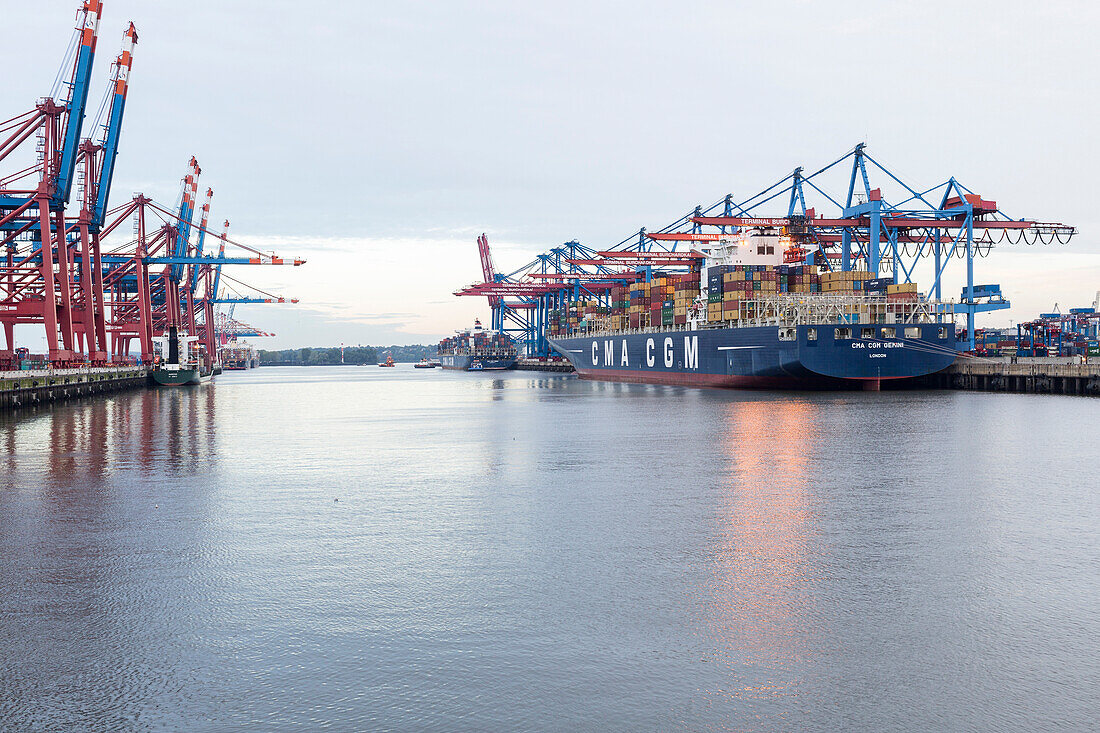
330	355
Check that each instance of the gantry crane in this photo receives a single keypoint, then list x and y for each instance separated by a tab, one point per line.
867	229
53	267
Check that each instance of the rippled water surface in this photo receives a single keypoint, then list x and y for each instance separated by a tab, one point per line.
365	549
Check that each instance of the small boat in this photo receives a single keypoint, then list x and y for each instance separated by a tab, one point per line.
476	366
424	364
389	362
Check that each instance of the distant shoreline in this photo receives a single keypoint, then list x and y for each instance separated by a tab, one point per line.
346	356
300	364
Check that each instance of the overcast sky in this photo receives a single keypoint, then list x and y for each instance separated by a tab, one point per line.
378	139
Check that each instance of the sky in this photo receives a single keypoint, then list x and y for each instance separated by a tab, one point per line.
378	139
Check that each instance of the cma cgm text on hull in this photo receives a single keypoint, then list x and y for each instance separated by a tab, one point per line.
800	356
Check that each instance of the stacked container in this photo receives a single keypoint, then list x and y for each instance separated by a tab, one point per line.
730	286
685	291
798	279
902	293
848	282
733	292
638	305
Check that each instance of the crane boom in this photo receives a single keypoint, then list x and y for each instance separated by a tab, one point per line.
487	266
78	99
201	238
221	255
121	81
186	212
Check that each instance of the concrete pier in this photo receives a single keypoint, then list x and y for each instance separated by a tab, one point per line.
1038	376
24	389
553	364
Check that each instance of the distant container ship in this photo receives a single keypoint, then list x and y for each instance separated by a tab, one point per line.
758	323
476	349
239	355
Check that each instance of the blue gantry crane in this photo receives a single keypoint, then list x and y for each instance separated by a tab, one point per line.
887	234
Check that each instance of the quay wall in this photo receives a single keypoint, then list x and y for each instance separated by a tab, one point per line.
1031	376
30	388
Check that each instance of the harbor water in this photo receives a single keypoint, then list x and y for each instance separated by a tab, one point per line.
354	548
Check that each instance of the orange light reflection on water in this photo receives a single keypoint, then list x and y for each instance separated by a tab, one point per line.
761	595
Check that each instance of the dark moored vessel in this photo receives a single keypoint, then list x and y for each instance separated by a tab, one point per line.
182	361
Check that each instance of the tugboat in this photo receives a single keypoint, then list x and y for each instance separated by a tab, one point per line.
424	364
183	360
389	362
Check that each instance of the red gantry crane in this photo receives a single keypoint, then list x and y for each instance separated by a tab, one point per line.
94	299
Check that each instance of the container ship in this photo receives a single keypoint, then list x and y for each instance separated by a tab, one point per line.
476	349
754	321
239	355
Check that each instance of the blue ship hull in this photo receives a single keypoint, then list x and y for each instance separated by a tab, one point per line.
466	362
802	357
